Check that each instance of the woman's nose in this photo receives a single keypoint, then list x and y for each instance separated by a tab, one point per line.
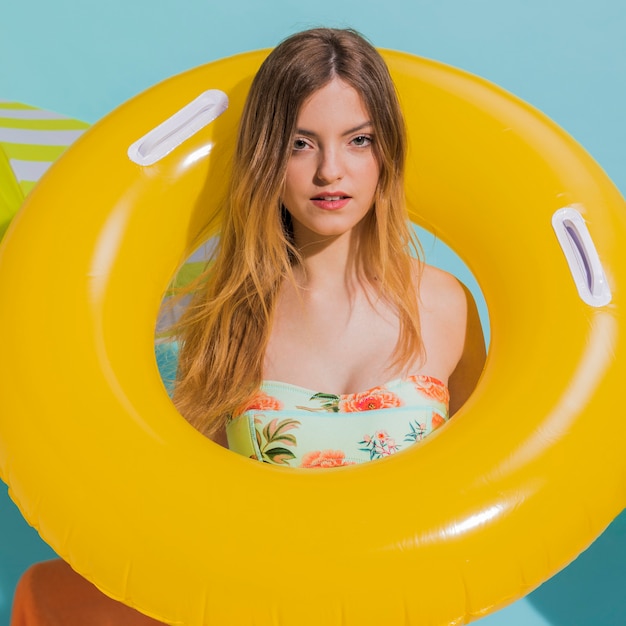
330	167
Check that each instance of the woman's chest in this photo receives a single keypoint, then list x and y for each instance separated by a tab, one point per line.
289	425
343	346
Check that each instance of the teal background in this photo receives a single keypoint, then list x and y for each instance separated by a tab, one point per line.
567	57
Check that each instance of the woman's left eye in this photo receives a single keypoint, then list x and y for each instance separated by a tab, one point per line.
362	140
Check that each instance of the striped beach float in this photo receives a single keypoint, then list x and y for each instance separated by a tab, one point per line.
31	139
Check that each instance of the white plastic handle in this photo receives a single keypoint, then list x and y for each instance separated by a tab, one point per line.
582	257
185	123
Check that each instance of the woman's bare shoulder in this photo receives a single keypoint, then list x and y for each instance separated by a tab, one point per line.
441	293
451	328
443	319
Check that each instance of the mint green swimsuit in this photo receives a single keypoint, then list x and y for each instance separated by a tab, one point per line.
292	426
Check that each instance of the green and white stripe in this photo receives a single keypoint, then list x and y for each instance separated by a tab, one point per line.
31	139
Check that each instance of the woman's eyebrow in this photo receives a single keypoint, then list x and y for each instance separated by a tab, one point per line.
356	129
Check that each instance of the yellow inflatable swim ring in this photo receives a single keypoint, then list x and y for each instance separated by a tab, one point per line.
524	478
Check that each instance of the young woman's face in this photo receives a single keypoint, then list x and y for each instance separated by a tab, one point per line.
332	172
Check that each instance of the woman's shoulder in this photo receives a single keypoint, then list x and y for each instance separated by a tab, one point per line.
441	293
451	329
443	309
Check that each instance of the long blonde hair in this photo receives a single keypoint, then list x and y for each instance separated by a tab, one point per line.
224	331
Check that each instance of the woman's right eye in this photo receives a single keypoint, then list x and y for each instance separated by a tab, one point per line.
300	144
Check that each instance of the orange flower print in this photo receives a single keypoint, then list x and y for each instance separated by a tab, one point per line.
325	458
436	421
263	402
431	388
376	398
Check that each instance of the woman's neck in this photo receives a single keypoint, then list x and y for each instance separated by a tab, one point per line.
333	263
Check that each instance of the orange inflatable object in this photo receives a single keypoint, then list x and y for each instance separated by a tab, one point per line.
523	479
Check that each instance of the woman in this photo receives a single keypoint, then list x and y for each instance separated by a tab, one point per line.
313	287
314	307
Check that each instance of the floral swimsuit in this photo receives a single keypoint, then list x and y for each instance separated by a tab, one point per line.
292	426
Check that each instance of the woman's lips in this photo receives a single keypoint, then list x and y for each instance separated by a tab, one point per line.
331	201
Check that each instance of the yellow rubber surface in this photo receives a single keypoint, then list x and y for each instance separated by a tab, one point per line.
520	482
